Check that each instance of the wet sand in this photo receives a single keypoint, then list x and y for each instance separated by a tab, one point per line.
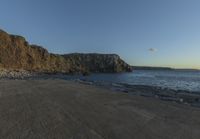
58	109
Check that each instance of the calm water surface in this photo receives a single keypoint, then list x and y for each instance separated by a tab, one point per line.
184	80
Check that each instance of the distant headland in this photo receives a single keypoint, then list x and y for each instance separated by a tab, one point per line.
150	68
160	68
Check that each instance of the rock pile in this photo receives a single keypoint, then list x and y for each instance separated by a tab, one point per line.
15	74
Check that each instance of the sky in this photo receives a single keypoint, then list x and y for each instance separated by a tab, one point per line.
143	32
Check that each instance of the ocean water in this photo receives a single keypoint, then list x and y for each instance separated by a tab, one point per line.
174	79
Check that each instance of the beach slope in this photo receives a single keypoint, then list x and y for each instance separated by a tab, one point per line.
58	109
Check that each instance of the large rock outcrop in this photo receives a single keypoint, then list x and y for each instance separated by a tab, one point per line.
16	53
97	62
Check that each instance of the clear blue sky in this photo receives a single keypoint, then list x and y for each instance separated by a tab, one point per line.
142	32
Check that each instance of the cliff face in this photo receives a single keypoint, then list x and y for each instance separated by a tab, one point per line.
17	53
97	62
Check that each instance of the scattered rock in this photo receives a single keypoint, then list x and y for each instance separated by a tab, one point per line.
15	74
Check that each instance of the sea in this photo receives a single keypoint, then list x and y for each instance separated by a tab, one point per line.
174	79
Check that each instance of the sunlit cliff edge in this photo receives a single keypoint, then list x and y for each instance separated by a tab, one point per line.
17	54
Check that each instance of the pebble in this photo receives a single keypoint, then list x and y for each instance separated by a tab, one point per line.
15	74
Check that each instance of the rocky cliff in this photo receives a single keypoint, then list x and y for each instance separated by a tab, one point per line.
97	62
17	54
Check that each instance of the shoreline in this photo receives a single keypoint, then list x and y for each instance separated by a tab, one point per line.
61	109
179	96
166	94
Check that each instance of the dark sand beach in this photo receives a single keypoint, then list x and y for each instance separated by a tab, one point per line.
59	109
